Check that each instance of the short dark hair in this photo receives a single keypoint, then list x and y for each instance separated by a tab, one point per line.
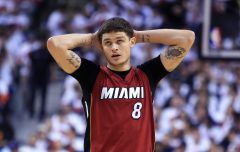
115	24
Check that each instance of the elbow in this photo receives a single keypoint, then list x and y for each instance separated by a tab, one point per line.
187	38
53	44
190	37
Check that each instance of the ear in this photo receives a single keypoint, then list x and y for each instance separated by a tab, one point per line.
132	41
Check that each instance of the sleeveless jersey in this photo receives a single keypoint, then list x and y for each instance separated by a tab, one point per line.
121	113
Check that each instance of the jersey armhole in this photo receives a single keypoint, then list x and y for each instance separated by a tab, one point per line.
154	70
86	75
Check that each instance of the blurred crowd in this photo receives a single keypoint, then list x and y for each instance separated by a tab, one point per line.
196	107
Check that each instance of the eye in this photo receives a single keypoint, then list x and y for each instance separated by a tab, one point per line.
108	43
119	41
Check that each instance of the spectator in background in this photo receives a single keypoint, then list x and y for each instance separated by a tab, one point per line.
5	79
39	76
72	95
6	129
56	21
196	140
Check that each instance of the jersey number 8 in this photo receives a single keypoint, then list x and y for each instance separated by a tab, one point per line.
136	114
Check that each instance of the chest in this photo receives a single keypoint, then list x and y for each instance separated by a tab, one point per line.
110	86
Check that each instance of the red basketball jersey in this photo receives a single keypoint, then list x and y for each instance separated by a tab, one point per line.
121	113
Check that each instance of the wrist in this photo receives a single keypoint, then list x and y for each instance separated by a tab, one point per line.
142	37
91	39
137	36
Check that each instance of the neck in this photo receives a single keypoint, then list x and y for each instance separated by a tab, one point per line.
119	68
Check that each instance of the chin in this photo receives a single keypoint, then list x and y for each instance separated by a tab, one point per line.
116	63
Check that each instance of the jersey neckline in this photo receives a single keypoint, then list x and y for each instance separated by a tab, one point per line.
115	74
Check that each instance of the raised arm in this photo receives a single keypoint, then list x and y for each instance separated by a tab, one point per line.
60	48
179	43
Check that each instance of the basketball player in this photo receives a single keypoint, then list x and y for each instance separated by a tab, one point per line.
118	97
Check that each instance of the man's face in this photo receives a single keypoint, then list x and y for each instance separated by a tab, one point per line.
116	48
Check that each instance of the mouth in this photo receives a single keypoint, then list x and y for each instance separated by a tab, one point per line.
115	56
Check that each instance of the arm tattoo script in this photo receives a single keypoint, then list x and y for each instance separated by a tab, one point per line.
74	59
174	52
145	38
84	42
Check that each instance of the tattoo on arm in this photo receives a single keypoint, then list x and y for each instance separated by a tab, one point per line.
174	52
74	59
84	42
145	38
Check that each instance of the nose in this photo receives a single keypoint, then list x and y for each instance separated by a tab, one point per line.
114	47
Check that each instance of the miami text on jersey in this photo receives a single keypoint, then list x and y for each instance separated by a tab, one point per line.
122	93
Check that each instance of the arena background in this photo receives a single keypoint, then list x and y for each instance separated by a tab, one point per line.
197	107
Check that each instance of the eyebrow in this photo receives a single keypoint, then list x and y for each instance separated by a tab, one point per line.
119	37
107	39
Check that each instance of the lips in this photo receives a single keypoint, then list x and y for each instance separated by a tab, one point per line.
115	55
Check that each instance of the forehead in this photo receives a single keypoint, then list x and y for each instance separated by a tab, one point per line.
113	35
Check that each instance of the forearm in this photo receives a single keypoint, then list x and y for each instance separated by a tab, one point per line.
181	38
70	41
